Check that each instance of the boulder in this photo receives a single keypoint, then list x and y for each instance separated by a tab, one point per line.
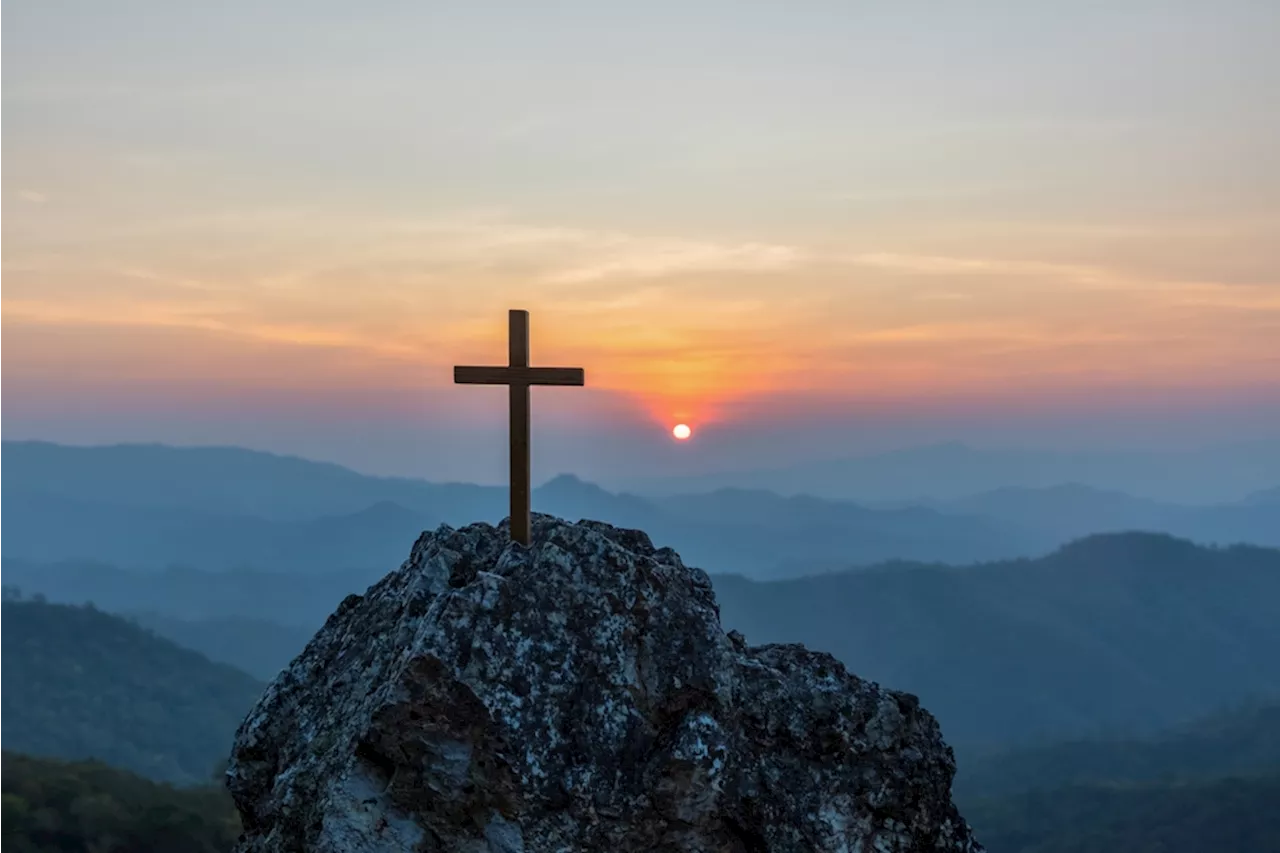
576	695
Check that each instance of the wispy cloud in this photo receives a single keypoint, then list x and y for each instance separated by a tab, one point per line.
221	318
623	259
669	319
936	192
943	296
946	265
564	255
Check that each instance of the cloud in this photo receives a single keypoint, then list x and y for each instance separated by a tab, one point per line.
670	320
945	265
649	259
943	296
33	196
560	255
936	192
222	319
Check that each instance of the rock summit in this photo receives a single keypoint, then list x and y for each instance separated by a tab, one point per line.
576	695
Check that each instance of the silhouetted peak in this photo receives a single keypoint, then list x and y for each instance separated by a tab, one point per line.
1266	497
1146	549
942	449
384	510
569	485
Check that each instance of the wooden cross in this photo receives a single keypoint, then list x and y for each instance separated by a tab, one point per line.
519	376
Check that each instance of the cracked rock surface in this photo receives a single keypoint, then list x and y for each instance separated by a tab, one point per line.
578	695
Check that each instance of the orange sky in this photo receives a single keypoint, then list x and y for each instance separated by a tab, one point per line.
806	215
682	326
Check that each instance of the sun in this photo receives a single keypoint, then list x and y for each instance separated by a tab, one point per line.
681	432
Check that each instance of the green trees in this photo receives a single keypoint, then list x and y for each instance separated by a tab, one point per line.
79	683
51	806
1233	815
1212	785
1127	632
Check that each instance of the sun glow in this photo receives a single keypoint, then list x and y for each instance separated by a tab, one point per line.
681	432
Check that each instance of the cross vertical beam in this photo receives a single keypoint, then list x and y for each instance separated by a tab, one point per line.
521	498
519	376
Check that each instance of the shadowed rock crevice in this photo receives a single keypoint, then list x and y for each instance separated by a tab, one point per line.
578	695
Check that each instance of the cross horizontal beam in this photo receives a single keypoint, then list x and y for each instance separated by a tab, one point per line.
519	376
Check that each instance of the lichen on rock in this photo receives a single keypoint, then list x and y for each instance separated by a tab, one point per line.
577	695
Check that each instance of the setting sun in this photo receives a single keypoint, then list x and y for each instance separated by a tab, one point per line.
682	431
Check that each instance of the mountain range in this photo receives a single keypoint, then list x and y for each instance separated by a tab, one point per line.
1209	784
1096	636
948	471
151	507
1072	510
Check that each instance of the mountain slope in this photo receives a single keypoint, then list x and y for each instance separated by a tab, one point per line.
1244	741
79	683
215	480
1220	815
45	527
52	805
1210	785
1126	631
257	646
1266	497
192	594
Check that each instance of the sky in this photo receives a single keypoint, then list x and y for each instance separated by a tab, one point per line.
807	229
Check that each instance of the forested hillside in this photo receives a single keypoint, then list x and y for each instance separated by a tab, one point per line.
1210	785
79	683
1243	741
1097	637
1112	622
1217	816
1124	633
56	807
51	806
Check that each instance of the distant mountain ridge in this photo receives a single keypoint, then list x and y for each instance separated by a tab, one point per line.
1266	497
951	470
259	647
51	528
221	481
1072	510
192	595
150	507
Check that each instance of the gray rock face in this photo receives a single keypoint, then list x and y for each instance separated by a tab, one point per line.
578	695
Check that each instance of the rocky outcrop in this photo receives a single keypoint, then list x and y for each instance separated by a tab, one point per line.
578	695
